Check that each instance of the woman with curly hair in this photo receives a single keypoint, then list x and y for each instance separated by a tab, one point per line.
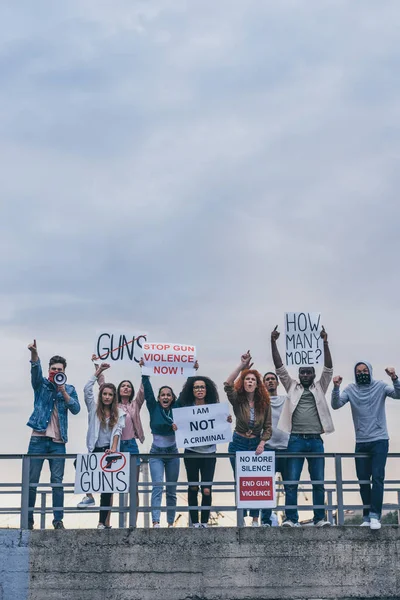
198	391
251	405
105	424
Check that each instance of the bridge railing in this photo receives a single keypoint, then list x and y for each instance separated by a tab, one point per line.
337	490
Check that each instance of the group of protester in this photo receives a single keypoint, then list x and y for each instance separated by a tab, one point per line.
292	423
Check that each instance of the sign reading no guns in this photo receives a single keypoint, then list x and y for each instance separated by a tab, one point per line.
202	425
304	345
255	480
168	359
103	473
112	346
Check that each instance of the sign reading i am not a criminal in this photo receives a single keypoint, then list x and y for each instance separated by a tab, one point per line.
168	359
202	425
103	473
255	480
113	346
304	345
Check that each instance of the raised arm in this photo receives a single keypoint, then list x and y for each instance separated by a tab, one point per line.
100	377
36	368
338	399
245	363
139	398
393	391
88	394
327	353
276	357
149	396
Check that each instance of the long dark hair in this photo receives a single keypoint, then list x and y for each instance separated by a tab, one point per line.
168	388
261	396
187	398
119	388
100	410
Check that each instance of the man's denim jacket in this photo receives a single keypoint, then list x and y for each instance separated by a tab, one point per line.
45	396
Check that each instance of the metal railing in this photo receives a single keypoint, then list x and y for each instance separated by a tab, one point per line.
128	508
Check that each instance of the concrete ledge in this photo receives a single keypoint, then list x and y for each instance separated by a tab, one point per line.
213	564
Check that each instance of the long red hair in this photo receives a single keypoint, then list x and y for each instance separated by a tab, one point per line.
261	396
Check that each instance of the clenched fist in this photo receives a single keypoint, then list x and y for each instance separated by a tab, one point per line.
337	381
391	372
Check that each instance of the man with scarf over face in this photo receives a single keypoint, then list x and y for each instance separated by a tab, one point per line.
367	401
49	422
305	416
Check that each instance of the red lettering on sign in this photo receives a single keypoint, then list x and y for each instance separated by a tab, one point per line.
256	488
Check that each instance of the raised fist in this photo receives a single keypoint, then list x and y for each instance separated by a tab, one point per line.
337	380
391	372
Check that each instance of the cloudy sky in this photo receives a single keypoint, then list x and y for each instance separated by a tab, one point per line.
193	169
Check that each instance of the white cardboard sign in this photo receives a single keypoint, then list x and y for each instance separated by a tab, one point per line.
102	473
304	345
255	480
168	359
112	346
202	425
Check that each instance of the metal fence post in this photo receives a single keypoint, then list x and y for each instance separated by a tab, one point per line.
133	491
329	502
122	514
43	508
398	510
146	499
25	493
339	489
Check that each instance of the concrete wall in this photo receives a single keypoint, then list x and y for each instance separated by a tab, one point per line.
209	564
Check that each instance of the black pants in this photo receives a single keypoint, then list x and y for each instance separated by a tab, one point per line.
105	499
199	469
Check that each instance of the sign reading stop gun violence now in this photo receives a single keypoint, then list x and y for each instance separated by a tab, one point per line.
103	473
304	345
112	346
202	425
168	359
255	480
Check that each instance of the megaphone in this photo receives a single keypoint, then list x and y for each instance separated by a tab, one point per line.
60	379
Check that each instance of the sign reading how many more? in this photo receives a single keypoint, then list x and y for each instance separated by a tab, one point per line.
304	345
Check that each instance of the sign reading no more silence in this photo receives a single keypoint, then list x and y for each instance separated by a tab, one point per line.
255	480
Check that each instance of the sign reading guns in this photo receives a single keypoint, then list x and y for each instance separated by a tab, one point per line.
103	473
112	346
304	345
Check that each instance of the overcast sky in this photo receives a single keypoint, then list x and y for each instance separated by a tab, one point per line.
194	169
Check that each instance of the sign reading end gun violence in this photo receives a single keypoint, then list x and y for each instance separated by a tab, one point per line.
168	359
304	345
103	473
112	346
202	425
255	480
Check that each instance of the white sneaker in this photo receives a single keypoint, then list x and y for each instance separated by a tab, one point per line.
85	502
196	525
375	523
265	525
156	525
323	523
289	523
101	526
204	525
365	524
255	524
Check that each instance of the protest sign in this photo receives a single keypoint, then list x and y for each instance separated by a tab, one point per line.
255	480
112	346
202	425
168	359
103	473
304	345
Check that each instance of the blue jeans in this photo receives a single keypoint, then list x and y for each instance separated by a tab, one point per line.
316	467
280	467
131	447
240	443
372	467
45	445
159	466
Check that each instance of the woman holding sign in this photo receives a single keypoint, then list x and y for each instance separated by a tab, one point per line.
163	445
198	391
251	405
106	422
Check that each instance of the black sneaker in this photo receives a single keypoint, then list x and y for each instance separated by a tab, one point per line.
58	525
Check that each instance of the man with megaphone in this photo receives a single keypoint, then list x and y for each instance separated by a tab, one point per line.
53	398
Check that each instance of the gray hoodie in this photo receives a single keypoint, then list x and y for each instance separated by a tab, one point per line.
367	406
